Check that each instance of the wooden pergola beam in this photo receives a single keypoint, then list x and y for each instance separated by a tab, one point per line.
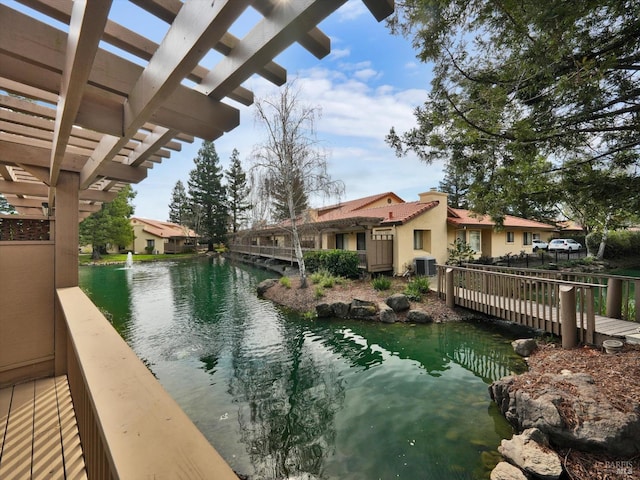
85	30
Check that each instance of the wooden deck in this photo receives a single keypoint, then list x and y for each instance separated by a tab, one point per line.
38	432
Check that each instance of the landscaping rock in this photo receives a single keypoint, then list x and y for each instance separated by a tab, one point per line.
265	285
506	471
398	302
418	316
524	346
324	310
387	315
530	452
341	309
571	411
362	309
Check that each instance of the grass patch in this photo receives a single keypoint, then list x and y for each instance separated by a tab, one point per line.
416	288
381	283
285	282
318	292
324	279
85	258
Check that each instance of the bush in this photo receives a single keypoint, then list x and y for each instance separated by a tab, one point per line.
381	283
285	282
416	288
621	243
339	263
324	279
319	292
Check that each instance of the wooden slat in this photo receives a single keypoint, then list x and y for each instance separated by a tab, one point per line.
17	449
41	439
47	447
73	458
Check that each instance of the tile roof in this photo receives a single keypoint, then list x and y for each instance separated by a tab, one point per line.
394	213
164	229
358	203
460	217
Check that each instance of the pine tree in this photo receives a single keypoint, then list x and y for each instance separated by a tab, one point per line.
207	195
179	206
237	192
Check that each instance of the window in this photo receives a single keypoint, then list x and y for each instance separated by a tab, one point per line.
151	243
461	235
418	240
474	240
339	241
526	238
361	241
511	237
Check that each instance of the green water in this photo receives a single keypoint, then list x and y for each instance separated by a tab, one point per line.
284	397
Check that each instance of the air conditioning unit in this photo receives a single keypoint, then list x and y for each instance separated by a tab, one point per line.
425	266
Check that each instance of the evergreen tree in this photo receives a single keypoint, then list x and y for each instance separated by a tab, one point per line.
207	195
179	206
237	192
456	184
5	206
279	196
524	93
110	225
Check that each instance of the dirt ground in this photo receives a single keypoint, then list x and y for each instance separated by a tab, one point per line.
305	300
617	374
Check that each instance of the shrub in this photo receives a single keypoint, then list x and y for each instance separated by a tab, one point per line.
285	282
381	283
325	279
416	288
339	263
460	253
318	292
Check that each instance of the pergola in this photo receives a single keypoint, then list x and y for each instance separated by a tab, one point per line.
75	114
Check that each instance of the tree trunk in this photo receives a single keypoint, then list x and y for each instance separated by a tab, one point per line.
603	244
299	255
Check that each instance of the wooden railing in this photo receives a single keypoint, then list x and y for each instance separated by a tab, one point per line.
531	301
129	426
615	296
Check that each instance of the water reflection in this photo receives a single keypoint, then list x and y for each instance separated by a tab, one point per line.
284	397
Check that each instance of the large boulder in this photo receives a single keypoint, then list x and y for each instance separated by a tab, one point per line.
524	346
324	310
387	315
362	309
530	452
571	410
398	302
341	309
419	316
265	285
506	471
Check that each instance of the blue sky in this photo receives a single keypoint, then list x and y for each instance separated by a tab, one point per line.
370	82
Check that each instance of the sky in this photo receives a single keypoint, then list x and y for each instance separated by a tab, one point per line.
371	81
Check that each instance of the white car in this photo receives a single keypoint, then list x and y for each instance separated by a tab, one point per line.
537	244
566	244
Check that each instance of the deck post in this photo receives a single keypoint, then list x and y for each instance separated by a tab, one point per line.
591	317
448	276
568	329
614	298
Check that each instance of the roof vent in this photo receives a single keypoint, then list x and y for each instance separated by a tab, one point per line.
390	215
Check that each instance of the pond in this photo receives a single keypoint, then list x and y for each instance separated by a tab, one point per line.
281	396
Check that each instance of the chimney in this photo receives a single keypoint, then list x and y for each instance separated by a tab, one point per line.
433	195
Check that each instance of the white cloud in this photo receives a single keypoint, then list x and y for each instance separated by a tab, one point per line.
351	10
338	53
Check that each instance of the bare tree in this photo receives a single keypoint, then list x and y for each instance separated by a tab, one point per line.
291	160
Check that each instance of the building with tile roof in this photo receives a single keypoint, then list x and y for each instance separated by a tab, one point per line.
155	236
390	234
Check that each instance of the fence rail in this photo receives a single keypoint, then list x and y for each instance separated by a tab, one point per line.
530	301
616	296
